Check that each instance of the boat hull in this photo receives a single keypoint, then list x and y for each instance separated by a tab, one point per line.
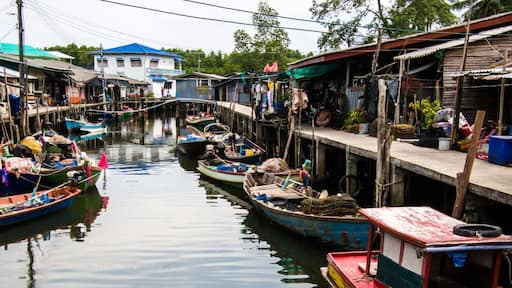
55	177
36	211
193	147
223	176
200	123
75	125
350	233
16	185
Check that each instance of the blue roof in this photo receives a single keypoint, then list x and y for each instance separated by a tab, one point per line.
136	48
28	51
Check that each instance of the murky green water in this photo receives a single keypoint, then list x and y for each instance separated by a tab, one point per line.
163	226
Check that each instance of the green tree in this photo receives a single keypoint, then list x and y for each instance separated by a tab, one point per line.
270	43
483	8
362	19
81	54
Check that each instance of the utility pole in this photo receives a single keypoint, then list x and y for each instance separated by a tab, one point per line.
103	80
23	81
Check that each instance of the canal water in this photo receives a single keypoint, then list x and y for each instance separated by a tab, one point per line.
152	221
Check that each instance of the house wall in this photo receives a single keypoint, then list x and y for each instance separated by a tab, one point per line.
166	67
477	94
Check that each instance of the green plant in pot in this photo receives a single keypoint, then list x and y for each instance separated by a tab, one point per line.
426	110
354	118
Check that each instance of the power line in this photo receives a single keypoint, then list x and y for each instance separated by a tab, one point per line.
257	13
205	18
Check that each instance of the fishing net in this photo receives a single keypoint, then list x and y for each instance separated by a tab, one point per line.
330	206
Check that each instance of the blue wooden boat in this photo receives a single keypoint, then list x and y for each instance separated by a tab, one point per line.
85	126
23	207
193	143
16	184
333	220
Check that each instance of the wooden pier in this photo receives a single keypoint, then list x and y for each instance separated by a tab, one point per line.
487	180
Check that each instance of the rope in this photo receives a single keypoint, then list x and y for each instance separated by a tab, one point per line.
388	184
130	111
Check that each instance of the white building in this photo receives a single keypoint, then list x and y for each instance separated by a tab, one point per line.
142	63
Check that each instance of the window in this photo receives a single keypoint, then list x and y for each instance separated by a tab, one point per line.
135	62
120	62
101	63
153	63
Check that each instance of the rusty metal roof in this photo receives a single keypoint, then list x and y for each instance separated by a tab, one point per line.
453	43
425	227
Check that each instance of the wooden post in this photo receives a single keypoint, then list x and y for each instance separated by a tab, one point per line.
397	103
11	124
376	54
502	95
460	81
383	149
463	178
289	141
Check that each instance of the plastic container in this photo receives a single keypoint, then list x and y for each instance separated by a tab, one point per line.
500	150
444	144
363	128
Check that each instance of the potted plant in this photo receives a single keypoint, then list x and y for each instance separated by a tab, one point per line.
426	111
356	121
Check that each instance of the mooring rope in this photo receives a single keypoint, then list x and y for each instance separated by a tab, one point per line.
130	111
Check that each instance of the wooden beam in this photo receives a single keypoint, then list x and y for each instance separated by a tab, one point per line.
383	149
463	178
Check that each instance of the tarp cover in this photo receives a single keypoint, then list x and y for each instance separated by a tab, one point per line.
312	71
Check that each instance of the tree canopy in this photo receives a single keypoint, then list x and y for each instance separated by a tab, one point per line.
364	17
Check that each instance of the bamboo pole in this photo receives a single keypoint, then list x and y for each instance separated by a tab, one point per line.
463	178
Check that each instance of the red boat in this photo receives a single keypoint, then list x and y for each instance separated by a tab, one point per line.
420	247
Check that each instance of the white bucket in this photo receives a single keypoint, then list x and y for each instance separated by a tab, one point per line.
444	144
363	128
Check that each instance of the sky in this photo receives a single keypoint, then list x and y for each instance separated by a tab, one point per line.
94	22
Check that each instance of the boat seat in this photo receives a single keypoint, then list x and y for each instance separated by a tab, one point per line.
276	192
264	187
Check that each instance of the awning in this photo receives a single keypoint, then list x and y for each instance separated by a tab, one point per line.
158	78
312	71
453	43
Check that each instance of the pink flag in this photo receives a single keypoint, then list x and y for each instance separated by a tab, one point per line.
274	67
103	163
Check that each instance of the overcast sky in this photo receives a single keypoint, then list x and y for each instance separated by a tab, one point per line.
91	22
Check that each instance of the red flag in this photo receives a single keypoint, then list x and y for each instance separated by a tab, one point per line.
274	67
103	163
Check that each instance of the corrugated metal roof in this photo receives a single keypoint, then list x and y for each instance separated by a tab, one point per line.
60	55
136	48
453	43
10	73
28	51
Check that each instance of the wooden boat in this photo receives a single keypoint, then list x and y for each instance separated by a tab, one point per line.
84	210
240	149
23	207
199	121
332	220
193	143
230	172
18	183
53	176
85	126
421	247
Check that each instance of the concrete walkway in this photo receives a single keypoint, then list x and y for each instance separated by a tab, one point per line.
487	180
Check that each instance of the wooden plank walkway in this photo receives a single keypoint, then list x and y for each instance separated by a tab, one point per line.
487	180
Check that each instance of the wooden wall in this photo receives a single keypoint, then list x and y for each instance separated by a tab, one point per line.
477	94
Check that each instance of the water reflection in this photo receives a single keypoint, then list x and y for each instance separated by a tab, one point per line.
299	259
77	218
